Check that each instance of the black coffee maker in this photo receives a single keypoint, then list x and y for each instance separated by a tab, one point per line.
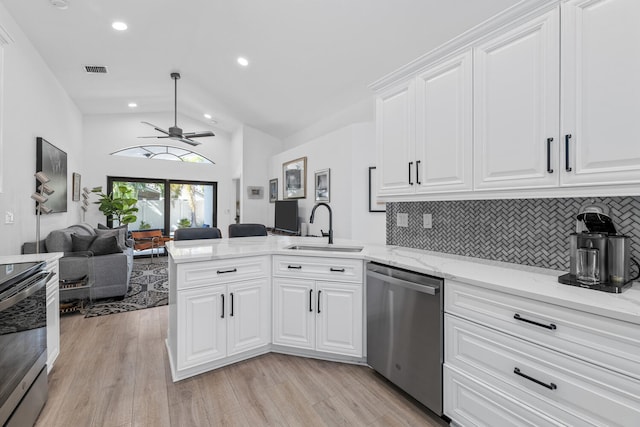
599	257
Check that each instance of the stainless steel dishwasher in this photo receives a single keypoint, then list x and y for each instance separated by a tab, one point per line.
405	331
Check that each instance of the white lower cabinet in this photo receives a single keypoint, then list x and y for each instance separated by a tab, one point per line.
249	317
507	366
53	315
318	314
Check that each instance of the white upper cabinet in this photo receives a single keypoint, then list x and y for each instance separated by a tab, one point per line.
444	126
516	109
395	134
601	92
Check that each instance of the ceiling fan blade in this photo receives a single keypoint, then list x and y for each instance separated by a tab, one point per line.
190	142
199	134
156	128
153	137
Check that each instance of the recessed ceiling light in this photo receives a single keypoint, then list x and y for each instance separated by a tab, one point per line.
207	116
119	26
132	105
60	4
243	61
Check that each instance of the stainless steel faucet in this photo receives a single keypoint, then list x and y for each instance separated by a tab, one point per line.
313	212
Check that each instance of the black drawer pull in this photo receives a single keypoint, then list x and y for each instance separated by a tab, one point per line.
222	315
294	267
410	164
550	386
231	295
522	319
549	141
338	270
233	270
319	292
310	298
418	172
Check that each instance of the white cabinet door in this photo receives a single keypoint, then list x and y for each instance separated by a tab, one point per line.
249	320
53	322
601	91
395	139
201	326
444	126
293	312
516	107
339	318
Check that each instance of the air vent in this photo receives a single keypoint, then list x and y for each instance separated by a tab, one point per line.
95	69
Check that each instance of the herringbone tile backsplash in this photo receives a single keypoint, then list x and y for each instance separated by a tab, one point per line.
524	231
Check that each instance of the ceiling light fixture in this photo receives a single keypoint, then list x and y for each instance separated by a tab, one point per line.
119	26
132	105
207	116
243	61
59	4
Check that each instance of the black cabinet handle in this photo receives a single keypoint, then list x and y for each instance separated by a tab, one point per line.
319	292
222	316
567	137
310	298
233	270
338	270
550	386
294	267
410	182
549	141
231	295
542	325
418	172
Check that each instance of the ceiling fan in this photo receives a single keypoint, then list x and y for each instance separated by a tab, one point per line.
174	131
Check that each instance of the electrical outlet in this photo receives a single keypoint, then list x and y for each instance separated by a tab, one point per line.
8	217
427	220
403	220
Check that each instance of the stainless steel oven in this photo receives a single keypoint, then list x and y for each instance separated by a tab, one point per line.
23	342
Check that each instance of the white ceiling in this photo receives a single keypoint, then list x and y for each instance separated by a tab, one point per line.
308	58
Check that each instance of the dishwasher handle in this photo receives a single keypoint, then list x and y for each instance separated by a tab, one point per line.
425	289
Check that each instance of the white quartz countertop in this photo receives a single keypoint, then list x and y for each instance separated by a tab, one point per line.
530	282
14	259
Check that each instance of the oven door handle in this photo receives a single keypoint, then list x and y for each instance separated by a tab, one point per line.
42	279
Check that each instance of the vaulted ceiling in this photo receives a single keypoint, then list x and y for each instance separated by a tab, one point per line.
308	58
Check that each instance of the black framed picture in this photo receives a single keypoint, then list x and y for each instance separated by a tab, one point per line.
273	190
374	204
322	180
53	162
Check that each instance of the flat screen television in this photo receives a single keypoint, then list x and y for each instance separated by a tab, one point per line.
287	216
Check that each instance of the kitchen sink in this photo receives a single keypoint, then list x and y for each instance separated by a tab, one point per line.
325	248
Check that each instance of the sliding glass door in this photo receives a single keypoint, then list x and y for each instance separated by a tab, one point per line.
170	204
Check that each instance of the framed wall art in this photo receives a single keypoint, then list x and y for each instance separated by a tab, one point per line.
53	162
374	204
76	187
322	183
273	190
294	175
255	192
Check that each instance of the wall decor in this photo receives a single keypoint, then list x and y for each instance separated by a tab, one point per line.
76	187
294	175
374	204
255	192
53	162
273	190
323	185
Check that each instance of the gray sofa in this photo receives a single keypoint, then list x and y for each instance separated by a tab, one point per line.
110	273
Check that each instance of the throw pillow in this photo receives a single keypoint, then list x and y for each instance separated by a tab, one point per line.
81	243
105	246
119	234
59	241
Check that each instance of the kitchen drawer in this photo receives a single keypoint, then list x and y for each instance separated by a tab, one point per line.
572	391
191	275
334	269
610	343
469	402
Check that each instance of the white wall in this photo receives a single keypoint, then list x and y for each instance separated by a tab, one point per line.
34	104
106	133
258	148
348	152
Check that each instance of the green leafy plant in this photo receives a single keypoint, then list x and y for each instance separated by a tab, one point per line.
144	225
120	205
184	223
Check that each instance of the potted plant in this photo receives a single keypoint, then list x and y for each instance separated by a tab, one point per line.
184	223
120	205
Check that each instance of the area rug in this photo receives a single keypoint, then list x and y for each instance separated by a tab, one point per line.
148	287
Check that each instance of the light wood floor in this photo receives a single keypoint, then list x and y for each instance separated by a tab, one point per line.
113	371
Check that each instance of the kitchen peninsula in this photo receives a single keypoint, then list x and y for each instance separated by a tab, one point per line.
230	299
